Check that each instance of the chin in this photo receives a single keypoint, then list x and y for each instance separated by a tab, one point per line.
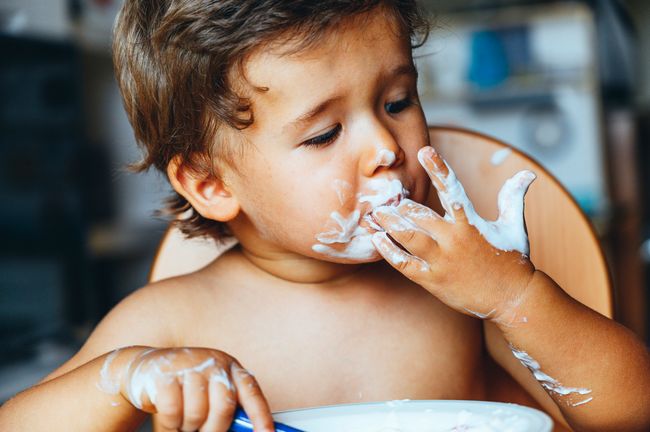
357	251
366	260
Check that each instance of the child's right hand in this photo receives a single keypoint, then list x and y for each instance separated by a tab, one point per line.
194	389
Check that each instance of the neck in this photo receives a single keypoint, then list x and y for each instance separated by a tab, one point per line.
295	268
290	266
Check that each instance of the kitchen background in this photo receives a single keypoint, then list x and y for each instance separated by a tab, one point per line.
566	81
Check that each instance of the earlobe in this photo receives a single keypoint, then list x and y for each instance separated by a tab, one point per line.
208	195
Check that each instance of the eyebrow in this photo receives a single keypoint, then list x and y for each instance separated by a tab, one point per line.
403	69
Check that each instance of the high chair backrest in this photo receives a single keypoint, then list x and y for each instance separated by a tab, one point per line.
563	243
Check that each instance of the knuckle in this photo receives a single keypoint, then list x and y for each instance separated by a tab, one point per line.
170	407
403	265
410	236
169	422
225	405
229	400
223	413
252	388
194	416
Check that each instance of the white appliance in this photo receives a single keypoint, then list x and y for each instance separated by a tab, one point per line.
546	102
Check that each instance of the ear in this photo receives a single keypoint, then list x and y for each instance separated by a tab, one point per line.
208	195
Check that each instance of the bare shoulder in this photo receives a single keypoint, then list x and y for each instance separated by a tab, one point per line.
147	317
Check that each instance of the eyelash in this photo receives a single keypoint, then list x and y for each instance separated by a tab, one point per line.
400	106
324	139
333	133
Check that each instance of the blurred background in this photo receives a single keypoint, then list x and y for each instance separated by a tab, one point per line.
568	82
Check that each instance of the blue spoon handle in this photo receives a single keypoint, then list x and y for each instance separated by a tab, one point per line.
241	423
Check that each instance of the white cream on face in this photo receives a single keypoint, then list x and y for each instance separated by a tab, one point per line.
508	232
353	240
548	382
385	158
343	190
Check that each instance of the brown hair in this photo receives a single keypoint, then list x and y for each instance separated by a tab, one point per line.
174	58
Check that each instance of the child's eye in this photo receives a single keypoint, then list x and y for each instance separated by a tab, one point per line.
398	106
326	138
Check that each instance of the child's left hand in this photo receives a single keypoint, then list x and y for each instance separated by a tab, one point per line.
476	267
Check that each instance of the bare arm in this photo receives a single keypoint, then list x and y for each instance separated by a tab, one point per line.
72	402
595	370
587	369
70	398
188	388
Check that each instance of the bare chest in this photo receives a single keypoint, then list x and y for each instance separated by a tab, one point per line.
310	351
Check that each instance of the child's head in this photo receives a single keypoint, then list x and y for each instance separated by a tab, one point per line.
287	120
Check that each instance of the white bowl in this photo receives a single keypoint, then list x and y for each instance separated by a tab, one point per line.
418	416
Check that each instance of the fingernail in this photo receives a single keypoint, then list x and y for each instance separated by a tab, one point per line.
429	149
428	152
425	157
383	211
379	238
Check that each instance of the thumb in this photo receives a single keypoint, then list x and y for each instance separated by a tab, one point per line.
511	199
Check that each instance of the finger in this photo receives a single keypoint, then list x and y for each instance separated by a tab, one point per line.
511	197
252	399
223	402
450	191
195	401
434	165
169	404
402	261
422	216
412	238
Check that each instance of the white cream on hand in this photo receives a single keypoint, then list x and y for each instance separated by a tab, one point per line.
150	369
548	382
508	232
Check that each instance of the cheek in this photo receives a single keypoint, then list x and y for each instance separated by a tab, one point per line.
422	182
417	174
330	218
293	209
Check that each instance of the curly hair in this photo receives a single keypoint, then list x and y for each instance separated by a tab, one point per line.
174	61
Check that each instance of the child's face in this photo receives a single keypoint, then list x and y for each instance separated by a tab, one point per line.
335	135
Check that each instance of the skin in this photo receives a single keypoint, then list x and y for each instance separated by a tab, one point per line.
316	330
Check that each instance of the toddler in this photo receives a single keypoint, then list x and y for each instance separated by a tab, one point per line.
295	126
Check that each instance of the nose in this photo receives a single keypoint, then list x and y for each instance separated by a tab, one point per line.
381	151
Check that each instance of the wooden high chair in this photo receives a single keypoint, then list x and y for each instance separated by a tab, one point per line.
563	243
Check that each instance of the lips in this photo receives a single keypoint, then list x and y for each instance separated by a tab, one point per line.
392	202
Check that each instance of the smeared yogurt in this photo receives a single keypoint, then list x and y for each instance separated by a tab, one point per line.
508	232
385	158
347	237
146	373
499	156
549	383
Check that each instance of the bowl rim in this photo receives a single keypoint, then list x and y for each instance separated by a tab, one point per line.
545	421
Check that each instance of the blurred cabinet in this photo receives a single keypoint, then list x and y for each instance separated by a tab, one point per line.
88	22
42	215
527	75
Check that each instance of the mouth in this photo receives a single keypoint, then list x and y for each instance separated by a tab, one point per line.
393	201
